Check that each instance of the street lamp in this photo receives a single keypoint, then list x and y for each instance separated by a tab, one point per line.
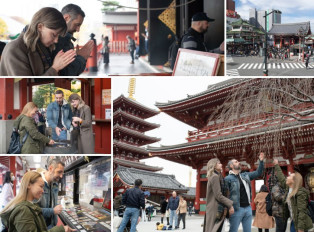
265	71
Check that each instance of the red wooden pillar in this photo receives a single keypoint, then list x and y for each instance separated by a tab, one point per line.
6	97
253	190
290	168
13	170
103	126
23	93
198	189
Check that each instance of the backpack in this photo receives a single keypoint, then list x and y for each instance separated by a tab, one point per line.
15	146
311	210
269	205
173	50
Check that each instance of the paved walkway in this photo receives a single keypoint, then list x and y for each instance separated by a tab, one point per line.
193	224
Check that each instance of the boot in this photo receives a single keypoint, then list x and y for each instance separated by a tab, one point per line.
168	221
162	220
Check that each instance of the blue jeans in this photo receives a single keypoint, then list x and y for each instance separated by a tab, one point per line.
129	213
62	136
244	215
174	216
292	229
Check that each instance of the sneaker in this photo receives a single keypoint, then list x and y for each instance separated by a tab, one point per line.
132	62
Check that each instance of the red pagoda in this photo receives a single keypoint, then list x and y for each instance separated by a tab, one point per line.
128	141
211	140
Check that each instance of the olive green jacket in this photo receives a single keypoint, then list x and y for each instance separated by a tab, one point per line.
26	217
34	138
299	203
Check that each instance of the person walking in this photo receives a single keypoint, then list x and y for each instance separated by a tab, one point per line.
163	209
7	189
134	199
297	199
262	219
131	47
22	214
190	207
181	211
105	50
173	204
307	60
217	203
27	128
239	187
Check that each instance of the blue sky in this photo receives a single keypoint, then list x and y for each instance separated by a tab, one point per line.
292	10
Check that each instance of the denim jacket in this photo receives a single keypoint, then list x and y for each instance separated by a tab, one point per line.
44	203
53	115
233	185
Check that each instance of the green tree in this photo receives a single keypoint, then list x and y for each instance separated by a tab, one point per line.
3	29
44	95
110	6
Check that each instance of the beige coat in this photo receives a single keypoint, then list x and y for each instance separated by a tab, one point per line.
86	144
213	196
262	219
17	60
182	208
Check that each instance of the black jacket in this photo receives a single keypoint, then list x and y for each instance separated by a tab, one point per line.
193	40
78	65
134	198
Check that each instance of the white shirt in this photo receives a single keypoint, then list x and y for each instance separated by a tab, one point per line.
7	194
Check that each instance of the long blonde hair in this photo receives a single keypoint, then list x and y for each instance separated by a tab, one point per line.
298	183
29	178
50	18
28	107
211	166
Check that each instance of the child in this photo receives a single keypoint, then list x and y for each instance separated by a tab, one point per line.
160	226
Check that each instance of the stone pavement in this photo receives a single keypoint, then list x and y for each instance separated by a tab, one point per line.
120	65
254	65
193	224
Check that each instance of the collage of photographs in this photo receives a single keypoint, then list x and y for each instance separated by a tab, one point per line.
142	115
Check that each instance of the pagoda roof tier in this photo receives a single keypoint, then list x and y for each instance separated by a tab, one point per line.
151	180
130	147
194	110
190	152
129	105
141	138
144	125
137	165
290	28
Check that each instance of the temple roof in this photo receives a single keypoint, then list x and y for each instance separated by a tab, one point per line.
290	28
210	89
137	165
229	137
130	147
136	134
120	17
150	179
191	192
146	112
146	125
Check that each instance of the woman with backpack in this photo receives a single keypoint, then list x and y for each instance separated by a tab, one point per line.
27	128
22	214
262	219
297	199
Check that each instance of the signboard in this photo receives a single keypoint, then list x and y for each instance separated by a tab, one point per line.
106	97
196	63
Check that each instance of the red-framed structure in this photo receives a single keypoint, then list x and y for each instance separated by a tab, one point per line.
240	141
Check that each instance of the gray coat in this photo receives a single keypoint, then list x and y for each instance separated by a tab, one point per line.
86	144
213	196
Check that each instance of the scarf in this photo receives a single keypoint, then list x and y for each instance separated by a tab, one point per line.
45	55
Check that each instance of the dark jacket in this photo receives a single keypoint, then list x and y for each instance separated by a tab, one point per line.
233	185
193	40
49	195
278	202
27	217
134	198
163	205
299	203
34	138
173	203
117	202
78	65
